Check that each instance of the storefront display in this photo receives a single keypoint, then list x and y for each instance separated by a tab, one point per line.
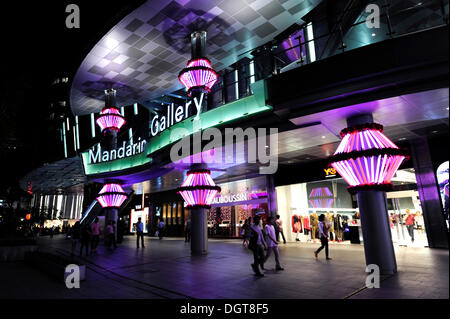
300	205
135	215
235	204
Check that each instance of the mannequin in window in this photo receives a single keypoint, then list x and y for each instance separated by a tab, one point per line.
331	230
314	222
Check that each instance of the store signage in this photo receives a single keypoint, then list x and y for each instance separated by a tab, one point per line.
231	198
175	114
330	172
98	156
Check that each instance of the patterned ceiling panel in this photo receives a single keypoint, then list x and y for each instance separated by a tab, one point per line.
142	55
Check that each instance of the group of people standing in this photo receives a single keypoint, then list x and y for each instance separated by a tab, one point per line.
260	239
89	236
257	240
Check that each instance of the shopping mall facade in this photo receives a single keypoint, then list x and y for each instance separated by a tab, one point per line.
280	67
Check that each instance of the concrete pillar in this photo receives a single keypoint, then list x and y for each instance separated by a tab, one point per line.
112	214
271	195
199	231
428	190
378	246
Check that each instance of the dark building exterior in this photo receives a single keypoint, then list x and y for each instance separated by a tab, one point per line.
306	72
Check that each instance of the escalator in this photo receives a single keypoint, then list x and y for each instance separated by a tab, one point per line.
95	209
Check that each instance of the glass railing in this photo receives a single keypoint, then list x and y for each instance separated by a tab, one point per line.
355	27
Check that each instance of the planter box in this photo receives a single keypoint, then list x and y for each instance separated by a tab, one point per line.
54	265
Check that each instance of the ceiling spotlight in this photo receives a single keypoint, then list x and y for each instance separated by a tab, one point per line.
373	34
323	136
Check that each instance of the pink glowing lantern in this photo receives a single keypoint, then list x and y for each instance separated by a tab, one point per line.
111	195
366	158
321	197
199	189
199	76
110	118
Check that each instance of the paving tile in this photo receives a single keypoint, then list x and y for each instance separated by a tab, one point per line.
165	269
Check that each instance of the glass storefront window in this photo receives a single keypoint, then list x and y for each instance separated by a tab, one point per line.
300	205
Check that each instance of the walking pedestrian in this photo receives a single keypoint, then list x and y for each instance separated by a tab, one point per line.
323	235
110	234
256	246
160	229
75	234
272	243
279	229
85	239
187	231
95	235
246	232
409	222
140	232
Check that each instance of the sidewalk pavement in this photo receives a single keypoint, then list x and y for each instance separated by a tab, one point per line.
165	269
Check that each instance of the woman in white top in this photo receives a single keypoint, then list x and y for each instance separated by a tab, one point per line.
272	243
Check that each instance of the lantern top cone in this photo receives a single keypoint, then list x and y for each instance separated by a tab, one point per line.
199	189
366	158
199	76
111	195
110	117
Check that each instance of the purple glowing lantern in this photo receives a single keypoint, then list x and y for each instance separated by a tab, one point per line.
111	119
198	76
199	189
366	158
111	195
321	197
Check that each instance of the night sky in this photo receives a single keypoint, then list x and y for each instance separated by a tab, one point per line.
36	48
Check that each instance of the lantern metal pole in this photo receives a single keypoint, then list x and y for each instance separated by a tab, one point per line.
378	246
199	231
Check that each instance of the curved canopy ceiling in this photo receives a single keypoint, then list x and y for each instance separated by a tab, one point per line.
142	55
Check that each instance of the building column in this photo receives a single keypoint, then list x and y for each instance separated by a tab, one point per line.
428	189
271	195
378	246
199	231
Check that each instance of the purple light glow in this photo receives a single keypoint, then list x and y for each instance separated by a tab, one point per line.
320	192
111	195
376	169
110	118
199	75
321	202
198	189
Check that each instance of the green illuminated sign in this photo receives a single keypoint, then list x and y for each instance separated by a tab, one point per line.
229	112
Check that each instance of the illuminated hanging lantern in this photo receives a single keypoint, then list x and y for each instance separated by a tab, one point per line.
199	189
199	76
366	158
110	118
111	195
321	197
